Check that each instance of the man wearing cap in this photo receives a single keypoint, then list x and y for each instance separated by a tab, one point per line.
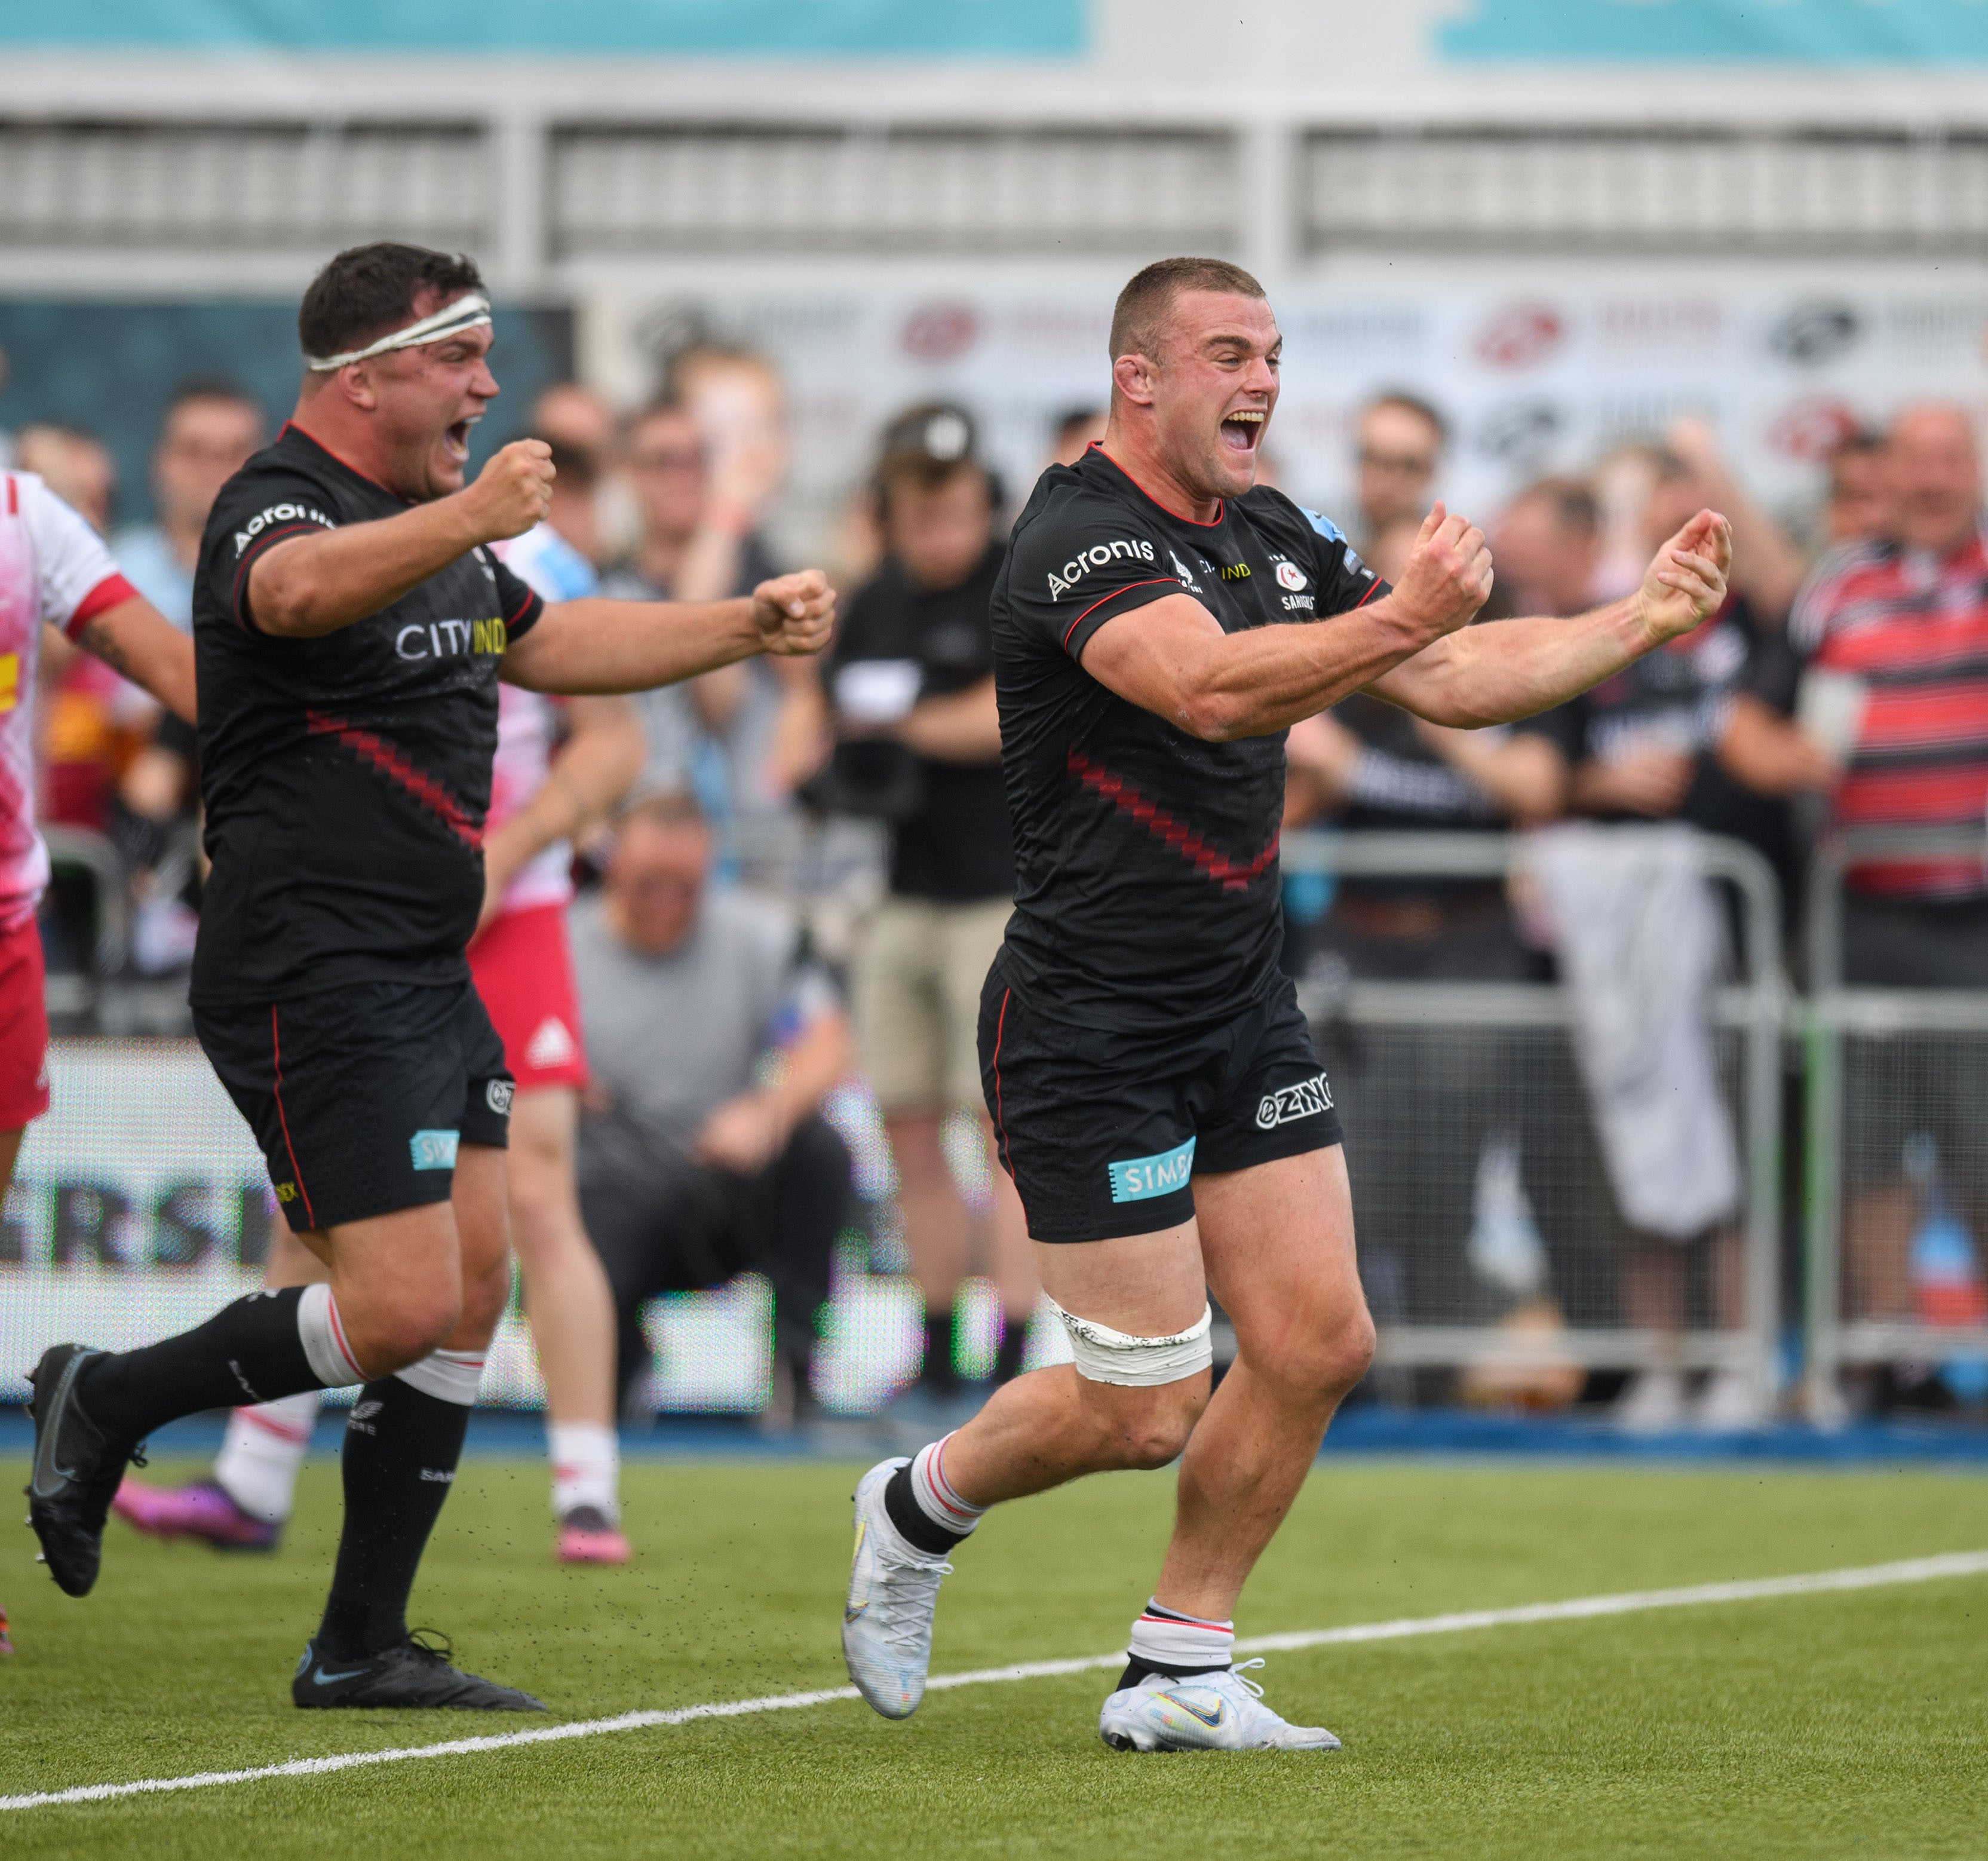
911	684
351	624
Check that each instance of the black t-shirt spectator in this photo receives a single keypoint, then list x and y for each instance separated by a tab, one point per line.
1680	698
1400	785
952	841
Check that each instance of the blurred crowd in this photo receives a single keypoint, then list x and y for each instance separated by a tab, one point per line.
813	868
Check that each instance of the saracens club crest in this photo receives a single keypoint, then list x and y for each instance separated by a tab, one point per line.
1290	576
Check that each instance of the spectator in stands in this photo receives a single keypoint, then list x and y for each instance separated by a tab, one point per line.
911	683
1399	445
1077	430
211	428
1899	625
576	418
92	722
1369	767
692	548
1650	745
1859	503
76	467
574	512
702	1151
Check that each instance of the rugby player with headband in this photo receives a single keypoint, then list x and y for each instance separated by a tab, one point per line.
1160	622
351	622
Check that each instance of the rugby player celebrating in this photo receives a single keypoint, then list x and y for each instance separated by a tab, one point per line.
1158	625
351	623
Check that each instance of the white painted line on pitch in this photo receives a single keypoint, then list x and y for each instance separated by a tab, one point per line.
1870	1576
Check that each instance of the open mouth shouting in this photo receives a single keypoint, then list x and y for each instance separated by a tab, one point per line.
1243	431
455	442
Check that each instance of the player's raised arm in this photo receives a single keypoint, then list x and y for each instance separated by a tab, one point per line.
1173	658
603	646
1506	670
318	582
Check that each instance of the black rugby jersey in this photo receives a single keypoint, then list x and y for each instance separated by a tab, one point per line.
345	778
1147	887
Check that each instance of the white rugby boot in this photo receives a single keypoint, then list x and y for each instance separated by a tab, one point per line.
1206	1712
887	1617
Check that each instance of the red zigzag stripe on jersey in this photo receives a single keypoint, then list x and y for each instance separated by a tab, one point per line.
1163	827
396	767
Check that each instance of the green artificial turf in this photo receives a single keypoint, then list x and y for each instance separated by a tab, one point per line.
1849	1723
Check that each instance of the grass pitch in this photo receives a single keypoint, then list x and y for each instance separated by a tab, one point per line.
1855	1722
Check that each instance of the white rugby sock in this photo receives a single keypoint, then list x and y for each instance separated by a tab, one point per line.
586	1468
1174	1643
934	1496
260	1455
449	1376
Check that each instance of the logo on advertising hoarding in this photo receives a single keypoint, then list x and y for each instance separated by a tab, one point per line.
941	332
1814	334
1521	336
1517	432
1811	428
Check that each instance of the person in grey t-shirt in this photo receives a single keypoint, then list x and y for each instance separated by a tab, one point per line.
702	1151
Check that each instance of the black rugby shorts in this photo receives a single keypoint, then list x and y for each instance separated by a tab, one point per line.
359	1096
1102	1131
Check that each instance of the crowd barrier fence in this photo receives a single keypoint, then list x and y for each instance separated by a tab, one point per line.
1529	1024
1882	1063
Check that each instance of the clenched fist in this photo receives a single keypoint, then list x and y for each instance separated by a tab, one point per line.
511	492
1686	582
794	613
1448	573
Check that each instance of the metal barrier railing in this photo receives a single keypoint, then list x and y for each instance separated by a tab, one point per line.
1747	1018
1851	1034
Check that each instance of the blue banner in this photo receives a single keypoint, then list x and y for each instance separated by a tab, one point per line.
1721	32
877	29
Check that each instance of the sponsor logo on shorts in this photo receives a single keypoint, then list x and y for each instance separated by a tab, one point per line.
1308	1099
1098	556
441	1476
497	1095
1141	1178
434	1149
287	1191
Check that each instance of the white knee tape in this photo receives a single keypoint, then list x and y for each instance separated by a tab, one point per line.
323	1336
1106	1356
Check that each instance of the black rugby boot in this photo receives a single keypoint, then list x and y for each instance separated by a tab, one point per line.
413	1674
77	1468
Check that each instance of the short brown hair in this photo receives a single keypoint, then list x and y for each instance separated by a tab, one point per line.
1141	312
367	290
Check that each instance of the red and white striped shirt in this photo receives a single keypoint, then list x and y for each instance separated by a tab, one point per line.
53	568
1914	627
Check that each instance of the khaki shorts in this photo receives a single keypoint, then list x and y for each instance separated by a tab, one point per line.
916	991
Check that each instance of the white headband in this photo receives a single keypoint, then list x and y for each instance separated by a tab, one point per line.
470	313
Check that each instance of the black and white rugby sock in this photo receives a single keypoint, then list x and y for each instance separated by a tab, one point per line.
402	1444
928	1513
1174	1646
267	1346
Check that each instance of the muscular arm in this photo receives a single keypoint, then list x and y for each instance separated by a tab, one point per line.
601	759
599	646
135	639
307	586
1506	670
1171	656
